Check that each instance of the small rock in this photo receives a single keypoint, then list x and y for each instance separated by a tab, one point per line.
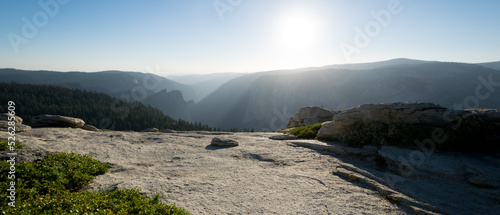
283	137
56	120
90	128
150	130
223	142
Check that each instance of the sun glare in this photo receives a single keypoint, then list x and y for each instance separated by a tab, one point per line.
297	30
297	42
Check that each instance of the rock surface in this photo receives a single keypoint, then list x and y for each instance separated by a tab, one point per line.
310	115
446	183
223	142
260	176
264	176
57	121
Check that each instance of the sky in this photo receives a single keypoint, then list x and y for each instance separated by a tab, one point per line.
175	37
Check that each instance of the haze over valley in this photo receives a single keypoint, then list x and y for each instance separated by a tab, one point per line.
266	100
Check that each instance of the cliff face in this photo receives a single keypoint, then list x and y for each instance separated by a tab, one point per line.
171	103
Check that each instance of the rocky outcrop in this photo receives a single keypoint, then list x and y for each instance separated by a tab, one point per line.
223	142
168	131
398	120
310	115
45	120
90	128
6	116
4	123
411	113
150	130
171	103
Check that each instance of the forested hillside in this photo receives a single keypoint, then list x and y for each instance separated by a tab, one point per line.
98	109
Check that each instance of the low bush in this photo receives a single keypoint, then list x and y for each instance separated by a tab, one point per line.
306	132
50	186
4	145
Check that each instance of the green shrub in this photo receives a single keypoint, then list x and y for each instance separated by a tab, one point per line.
4	145
306	132
122	201
49	187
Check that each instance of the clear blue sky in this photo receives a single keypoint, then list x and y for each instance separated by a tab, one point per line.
195	36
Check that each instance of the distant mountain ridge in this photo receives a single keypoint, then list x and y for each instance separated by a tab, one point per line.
266	100
132	86
115	83
491	65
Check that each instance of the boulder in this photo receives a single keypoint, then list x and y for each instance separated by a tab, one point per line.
283	137
5	117
410	113
150	130
4	123
4	126
310	115
223	142
56	121
168	131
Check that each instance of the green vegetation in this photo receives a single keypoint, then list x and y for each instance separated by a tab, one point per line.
306	132
4	145
98	109
50	186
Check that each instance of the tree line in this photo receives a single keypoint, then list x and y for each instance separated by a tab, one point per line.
98	109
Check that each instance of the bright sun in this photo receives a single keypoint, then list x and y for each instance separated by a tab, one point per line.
297	30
